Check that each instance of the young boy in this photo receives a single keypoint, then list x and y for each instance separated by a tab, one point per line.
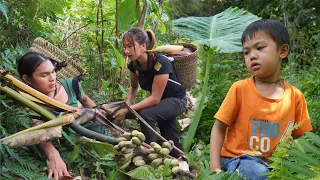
257	112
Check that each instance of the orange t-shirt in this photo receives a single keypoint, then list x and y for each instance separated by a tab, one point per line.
258	123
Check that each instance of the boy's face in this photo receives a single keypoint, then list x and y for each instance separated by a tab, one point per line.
262	56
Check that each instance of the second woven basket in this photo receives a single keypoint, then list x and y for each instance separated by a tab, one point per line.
73	69
186	66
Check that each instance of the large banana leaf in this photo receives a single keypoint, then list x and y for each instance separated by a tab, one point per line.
222	30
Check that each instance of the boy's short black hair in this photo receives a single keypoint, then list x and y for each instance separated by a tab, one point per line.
275	29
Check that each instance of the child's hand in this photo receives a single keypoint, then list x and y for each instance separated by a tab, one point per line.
217	170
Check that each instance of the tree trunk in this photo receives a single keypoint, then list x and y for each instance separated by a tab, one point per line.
100	47
142	18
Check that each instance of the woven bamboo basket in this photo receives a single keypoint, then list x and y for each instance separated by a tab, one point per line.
186	66
73	69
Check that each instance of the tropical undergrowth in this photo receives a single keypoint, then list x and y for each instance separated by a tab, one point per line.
21	162
296	159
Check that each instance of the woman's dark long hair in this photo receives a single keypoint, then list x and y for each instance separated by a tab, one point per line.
31	60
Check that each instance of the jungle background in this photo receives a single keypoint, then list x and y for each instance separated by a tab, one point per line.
91	32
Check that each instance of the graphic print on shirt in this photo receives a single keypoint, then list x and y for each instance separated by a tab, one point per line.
157	66
262	132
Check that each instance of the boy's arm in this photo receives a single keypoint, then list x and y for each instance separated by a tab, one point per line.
301	116
216	140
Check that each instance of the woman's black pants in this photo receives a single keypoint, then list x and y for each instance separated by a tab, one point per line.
164	114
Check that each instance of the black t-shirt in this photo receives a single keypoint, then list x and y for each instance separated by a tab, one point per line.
158	64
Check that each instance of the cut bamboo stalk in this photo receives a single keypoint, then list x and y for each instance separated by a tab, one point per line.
41	103
32	105
33	137
36	94
31	97
60	121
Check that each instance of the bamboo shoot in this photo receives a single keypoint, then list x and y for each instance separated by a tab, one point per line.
33	137
166	49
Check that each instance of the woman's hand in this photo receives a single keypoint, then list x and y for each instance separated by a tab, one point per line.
121	114
57	167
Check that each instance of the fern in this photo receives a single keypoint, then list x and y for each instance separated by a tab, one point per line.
299	169
309	147
14	156
207	173
304	157
142	172
113	173
3	132
314	138
297	159
22	172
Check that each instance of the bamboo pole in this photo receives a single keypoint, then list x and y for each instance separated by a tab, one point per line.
30	104
42	97
60	121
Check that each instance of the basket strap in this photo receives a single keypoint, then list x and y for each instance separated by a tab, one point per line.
170	59
75	87
173	81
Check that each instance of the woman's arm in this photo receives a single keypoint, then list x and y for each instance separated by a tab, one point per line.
158	86
134	85
87	102
216	140
57	167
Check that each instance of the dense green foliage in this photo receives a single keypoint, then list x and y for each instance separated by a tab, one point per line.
92	30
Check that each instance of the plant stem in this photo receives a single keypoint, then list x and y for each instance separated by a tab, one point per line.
193	127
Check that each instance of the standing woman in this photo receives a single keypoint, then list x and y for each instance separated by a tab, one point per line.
39	72
154	73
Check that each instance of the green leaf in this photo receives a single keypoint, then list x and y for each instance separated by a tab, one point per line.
137	10
162	28
127	14
142	173
228	62
222	30
309	147
123	90
315	138
304	157
120	59
295	167
105	84
4	11
153	7
74	154
65	135
101	148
